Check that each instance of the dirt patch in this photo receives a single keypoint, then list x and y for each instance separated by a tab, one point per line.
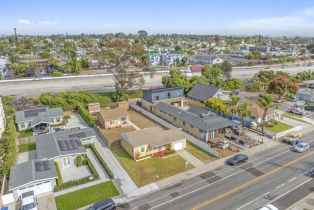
224	152
113	134
141	121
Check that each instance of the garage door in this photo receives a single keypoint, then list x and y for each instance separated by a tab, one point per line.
178	146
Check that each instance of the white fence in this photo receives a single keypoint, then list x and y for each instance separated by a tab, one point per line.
283	133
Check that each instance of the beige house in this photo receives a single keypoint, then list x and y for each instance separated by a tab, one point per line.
112	118
149	141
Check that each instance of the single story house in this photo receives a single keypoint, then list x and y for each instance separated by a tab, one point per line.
170	95
201	93
39	120
257	112
35	175
144	143
306	95
63	146
93	107
112	118
200	123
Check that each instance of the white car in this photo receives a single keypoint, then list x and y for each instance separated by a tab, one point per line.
269	207
223	144
302	147
28	201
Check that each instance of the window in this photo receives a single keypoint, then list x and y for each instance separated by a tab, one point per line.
169	95
22	125
66	161
58	119
124	118
112	122
175	119
142	149
201	131
156	97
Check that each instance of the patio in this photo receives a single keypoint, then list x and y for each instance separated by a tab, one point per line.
74	173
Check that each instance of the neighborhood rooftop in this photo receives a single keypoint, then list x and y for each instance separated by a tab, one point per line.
202	92
109	114
154	136
209	122
31	171
38	115
60	143
161	89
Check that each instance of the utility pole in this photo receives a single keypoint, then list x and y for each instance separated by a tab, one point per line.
15	35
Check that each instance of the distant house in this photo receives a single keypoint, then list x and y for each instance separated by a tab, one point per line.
111	118
39	120
171	95
164	59
198	122
93	107
2	119
139	146
306	95
257	112
36	175
197	68
63	146
202	93
205	59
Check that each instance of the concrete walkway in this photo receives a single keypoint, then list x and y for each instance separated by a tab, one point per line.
102	174
134	126
190	158
79	187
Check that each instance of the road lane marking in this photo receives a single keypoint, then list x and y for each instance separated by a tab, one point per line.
290	180
249	183
252	201
280	186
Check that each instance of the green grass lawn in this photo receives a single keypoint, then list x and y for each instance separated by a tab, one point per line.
199	153
27	147
150	170
26	133
86	196
294	117
278	127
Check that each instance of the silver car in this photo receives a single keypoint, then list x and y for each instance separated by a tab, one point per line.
301	147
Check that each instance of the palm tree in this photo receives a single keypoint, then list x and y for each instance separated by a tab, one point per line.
266	102
244	111
233	105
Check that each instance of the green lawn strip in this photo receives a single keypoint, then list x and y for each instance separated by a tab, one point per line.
86	196
199	153
26	133
294	117
27	147
278	127
150	170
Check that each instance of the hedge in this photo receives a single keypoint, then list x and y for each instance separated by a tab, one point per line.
101	161
61	186
10	148
88	117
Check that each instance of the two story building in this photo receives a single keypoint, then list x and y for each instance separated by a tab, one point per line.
201	93
171	95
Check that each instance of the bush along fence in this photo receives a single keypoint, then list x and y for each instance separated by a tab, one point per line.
65	185
101	161
89	119
10	148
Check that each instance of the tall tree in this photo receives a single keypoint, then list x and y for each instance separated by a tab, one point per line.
266	102
218	105
227	69
244	111
213	74
176	78
233	104
282	86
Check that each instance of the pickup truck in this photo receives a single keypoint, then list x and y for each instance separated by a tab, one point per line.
292	138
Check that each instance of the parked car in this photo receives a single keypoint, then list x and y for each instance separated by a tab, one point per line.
292	138
299	110
302	147
28	201
269	207
223	144
237	159
309	108
107	204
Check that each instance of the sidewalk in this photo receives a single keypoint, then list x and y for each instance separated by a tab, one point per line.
305	203
190	158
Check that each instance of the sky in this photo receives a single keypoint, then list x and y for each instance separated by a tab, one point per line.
225	17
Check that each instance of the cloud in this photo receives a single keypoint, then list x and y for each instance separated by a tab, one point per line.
48	22
308	11
24	21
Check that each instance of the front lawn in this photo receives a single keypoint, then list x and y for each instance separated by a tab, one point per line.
86	196
294	117
27	147
150	170
278	127
26	133
199	153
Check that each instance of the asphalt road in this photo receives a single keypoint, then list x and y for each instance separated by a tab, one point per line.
274	176
106	82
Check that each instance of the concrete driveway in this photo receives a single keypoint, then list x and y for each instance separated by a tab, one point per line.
75	121
26	156
46	202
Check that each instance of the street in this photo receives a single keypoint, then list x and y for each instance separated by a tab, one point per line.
105	82
278	176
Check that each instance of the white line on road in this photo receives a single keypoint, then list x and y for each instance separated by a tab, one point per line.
280	186
252	201
290	180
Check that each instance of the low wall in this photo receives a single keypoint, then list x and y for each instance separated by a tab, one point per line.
197	142
283	133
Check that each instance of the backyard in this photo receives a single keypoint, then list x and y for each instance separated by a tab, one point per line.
150	170
113	134
199	153
277	127
86	196
26	147
140	120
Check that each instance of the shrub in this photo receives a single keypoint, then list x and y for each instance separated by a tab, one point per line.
116	97
56	74
88	117
59	180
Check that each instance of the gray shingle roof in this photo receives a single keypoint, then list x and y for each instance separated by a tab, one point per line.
26	173
43	115
202	92
208	123
47	145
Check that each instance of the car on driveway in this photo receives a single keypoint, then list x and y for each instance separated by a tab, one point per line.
237	159
301	147
309	108
28	201
107	204
269	207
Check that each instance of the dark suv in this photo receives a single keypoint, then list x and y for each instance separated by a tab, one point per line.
237	159
107	204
